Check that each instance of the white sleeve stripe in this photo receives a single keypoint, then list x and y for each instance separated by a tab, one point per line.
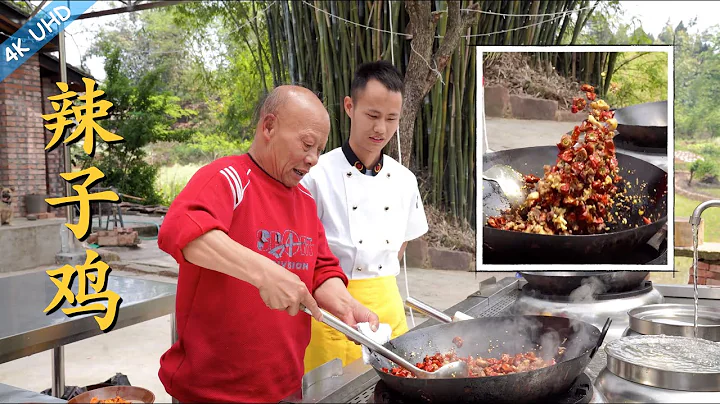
237	176
306	193
232	187
238	181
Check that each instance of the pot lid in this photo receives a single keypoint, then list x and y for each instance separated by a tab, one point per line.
675	319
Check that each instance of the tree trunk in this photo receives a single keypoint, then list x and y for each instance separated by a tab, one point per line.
423	68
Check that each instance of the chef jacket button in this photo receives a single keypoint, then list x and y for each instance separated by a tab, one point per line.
360	241
388	175
354	207
349	173
359	269
387	208
387	241
379	266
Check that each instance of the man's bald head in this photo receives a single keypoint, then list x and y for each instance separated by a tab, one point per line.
289	96
292	130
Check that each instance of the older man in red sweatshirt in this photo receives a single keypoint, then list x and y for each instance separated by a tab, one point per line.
251	251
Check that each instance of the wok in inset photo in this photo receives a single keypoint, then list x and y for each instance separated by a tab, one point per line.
577	173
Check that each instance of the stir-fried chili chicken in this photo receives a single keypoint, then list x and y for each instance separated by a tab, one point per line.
478	366
116	400
575	196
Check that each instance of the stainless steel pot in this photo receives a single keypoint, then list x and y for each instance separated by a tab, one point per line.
615	389
675	319
632	377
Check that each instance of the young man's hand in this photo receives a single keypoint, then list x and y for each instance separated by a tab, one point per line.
334	297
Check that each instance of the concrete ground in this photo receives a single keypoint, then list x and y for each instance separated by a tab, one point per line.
135	351
503	134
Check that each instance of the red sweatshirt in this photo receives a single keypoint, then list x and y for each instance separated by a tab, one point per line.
231	346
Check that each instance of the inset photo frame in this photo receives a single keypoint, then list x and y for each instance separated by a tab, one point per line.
575	166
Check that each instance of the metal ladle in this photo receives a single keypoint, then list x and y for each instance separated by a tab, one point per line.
433	312
511	183
451	370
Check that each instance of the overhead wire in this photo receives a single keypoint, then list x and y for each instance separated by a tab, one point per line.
557	16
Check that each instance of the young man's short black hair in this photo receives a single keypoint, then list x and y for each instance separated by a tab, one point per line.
382	71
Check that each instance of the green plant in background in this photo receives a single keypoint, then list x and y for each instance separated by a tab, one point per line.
141	114
697	76
208	147
639	77
172	179
703	170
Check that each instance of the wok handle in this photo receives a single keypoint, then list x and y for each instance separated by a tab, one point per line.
427	309
352	333
602	337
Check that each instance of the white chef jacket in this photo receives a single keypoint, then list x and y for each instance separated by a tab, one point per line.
366	218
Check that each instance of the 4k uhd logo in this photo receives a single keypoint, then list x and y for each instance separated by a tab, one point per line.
38	31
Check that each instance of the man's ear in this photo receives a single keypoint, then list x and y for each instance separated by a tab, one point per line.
269	123
348	104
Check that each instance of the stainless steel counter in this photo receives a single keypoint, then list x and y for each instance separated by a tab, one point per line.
355	382
25	330
11	394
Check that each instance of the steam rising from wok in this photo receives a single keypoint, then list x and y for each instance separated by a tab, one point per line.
590	287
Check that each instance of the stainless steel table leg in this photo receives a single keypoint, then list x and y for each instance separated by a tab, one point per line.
173	330
58	372
173	340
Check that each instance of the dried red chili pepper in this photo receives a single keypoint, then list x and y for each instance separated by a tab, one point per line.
566	155
565	142
531	179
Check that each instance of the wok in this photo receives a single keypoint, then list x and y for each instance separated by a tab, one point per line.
563	283
644	125
605	248
512	335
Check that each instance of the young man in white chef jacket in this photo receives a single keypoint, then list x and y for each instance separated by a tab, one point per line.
370	206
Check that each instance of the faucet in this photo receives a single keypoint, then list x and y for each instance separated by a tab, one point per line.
695	218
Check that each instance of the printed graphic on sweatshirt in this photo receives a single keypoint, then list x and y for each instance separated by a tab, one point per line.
236	184
286	245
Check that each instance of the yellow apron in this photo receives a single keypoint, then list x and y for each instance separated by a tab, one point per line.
382	296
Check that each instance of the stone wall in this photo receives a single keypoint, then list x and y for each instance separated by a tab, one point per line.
420	255
501	104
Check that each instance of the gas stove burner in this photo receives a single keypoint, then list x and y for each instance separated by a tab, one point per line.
626	143
580	392
644	288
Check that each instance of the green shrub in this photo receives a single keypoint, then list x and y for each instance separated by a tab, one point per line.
700	169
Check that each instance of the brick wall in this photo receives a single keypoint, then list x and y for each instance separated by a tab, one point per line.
54	160
22	134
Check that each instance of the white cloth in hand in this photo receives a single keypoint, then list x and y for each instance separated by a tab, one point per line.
381	336
460	316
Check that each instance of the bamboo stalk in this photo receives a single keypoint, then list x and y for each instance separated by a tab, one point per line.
452	152
296	41
566	21
609	73
273	49
346	70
